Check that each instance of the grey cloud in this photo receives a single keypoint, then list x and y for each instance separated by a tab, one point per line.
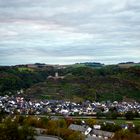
43	29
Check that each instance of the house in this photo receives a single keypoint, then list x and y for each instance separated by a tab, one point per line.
81	128
97	126
102	134
64	111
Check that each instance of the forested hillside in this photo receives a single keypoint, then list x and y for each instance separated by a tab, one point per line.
106	83
17	78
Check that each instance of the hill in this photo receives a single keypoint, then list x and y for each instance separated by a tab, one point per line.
79	83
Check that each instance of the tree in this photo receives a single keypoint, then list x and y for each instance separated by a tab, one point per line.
76	136
125	135
10	130
91	122
26	133
129	115
99	114
110	127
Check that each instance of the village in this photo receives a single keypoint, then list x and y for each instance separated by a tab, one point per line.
19	105
58	109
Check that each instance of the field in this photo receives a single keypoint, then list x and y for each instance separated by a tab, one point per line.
121	121
24	69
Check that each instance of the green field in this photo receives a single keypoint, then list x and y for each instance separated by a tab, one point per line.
24	69
121	121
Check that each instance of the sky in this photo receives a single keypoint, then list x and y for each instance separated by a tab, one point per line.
69	31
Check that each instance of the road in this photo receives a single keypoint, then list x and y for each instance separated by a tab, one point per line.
61	116
45	138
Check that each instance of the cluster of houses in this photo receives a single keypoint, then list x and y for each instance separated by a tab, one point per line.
20	105
92	133
88	132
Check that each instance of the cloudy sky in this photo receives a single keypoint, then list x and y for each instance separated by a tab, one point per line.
69	31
